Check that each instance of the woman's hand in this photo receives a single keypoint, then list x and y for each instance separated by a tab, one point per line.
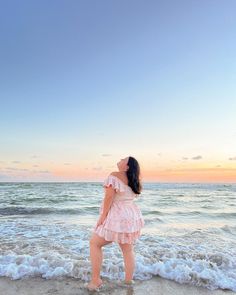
101	220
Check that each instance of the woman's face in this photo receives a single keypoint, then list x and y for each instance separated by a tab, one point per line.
122	165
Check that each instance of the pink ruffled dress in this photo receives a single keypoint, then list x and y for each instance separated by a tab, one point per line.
124	220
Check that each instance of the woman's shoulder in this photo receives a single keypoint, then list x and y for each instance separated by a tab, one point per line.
121	176
113	180
119	181
115	173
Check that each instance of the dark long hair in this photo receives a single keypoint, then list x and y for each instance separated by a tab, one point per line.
133	174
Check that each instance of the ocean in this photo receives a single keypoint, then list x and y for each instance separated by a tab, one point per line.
189	234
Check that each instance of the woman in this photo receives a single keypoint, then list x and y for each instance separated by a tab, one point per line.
120	219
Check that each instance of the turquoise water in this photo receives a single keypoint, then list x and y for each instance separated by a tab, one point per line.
189	234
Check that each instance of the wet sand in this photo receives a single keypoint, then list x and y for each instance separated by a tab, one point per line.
71	286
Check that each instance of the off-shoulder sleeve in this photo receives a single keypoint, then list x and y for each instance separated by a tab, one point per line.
113	181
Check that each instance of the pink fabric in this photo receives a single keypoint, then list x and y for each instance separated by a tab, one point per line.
124	220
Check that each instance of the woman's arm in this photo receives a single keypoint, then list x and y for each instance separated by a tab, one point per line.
108	199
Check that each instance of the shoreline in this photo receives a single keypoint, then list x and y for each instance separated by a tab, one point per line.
72	286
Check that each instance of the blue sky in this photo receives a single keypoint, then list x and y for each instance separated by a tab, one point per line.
86	83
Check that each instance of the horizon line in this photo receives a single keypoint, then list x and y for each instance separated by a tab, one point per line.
148	182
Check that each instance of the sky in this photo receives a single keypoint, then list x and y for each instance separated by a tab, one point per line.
87	83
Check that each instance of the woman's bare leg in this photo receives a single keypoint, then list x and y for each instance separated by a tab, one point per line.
129	260
96	256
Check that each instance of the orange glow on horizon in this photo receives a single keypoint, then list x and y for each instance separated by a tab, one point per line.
205	173
223	175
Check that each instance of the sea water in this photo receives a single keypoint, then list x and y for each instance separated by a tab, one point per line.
189	234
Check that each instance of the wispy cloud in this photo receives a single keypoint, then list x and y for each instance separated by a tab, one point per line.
35	156
106	155
232	158
97	168
16	162
67	163
193	158
197	157
16	169
13	169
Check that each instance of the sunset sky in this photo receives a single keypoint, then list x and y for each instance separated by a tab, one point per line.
86	83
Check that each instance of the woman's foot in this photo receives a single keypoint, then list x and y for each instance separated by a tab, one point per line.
130	282
93	285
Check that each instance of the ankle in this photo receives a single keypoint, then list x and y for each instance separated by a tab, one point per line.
96	280
129	281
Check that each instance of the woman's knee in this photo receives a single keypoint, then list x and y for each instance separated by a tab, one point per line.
93	240
98	241
126	247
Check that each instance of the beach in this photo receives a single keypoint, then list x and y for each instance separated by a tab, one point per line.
71	286
188	243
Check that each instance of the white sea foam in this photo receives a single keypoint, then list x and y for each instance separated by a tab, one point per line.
64	251
184	240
